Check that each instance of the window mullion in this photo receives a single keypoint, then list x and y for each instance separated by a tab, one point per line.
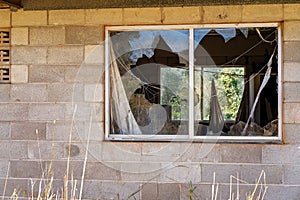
279	85
191	82
107	84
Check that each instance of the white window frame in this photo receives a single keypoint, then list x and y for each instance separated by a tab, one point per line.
191	136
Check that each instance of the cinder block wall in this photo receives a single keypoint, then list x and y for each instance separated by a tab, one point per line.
57	61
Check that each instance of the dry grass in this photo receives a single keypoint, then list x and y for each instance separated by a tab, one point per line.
69	189
258	193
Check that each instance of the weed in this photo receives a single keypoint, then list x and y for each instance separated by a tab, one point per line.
191	190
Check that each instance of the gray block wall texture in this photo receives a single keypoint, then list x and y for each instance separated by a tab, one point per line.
54	70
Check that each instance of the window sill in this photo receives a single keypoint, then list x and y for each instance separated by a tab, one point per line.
200	139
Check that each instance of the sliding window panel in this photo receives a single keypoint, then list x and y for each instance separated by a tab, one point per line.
149	82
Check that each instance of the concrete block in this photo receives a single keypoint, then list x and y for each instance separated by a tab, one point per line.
241	153
29	18
158	152
46	111
141	171
281	154
18	149
28	55
13	149
291	11
180	15
86	73
222	172
292	175
4	130
214	14
19	36
12	184
112	151
291	72
251	173
65	55
5	92
71	73
94	54
59	169
181	173
161	149
290	51
65	92
60	131
45	150
58	17
95	151
121	190
92	189
83	34
257	13
4	168
13	111
112	16
291	31
202	191
94	93
46	74
141	16
29	93
95	130
19	73
86	112
28	131
292	133
75	151
81	115
99	171
26	169
150	191
47	35
98	113
201	152
5	18
291	92
169	191
282	192
291	113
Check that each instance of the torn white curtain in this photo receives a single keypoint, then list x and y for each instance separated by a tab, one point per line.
216	120
263	84
120	109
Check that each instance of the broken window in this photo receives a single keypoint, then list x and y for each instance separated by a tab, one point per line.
191	82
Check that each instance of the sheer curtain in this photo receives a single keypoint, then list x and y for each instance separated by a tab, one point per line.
121	112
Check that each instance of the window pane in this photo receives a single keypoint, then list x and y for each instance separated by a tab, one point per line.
235	81
175	91
229	74
151	96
